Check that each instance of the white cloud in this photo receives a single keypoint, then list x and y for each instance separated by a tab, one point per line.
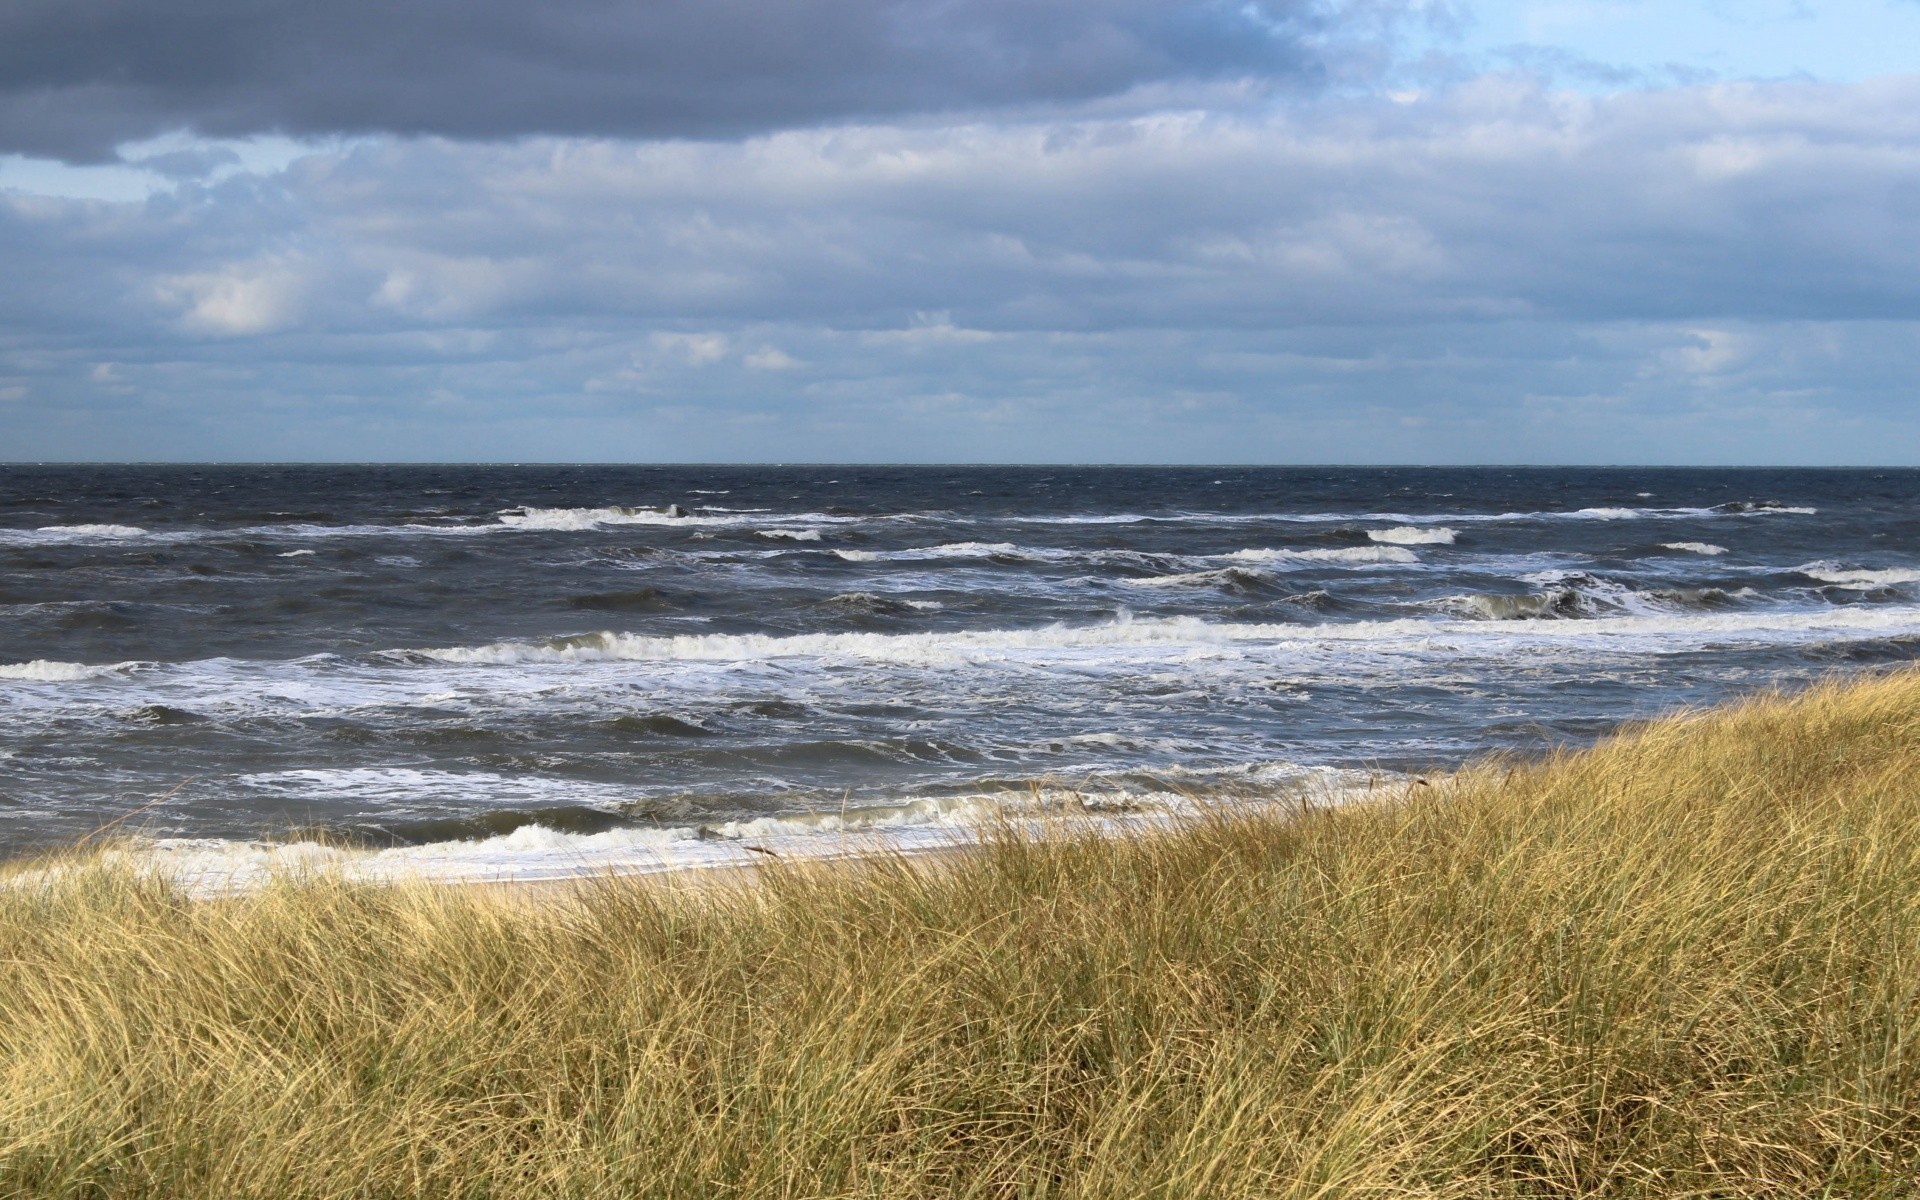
771	358
235	301
695	349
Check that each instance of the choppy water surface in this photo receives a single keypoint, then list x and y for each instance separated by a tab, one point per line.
407	655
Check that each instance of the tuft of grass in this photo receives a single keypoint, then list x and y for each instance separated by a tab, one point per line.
1683	963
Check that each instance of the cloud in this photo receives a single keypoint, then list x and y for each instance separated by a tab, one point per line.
78	77
771	358
1490	271
242	299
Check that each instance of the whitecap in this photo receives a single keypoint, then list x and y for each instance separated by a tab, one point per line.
1162	638
60	534
1228	577
1707	548
1609	514
1412	535
958	550
587	519
797	535
1827	572
1357	556
44	671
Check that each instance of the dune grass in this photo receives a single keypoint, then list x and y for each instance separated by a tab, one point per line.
1684	963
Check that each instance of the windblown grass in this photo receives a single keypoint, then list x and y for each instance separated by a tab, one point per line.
1684	963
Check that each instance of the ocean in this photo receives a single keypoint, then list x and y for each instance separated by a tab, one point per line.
526	670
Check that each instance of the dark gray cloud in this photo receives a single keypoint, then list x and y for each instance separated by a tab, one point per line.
78	77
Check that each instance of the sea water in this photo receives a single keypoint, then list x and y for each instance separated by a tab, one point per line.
531	670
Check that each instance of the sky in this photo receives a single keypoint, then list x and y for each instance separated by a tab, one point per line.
1277	231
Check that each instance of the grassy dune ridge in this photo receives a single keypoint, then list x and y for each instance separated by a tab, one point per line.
1686	962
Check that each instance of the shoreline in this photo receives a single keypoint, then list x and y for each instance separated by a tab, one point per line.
539	858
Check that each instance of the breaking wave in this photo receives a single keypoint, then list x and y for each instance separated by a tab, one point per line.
960	647
1857	578
1355	556
1003	551
1707	548
1413	535
44	671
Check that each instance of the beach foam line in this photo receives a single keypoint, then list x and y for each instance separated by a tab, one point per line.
534	853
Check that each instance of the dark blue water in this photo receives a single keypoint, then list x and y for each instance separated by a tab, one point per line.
401	655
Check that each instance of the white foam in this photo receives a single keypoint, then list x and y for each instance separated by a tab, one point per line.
1601	513
1222	578
1355	556
396	791
1413	535
564	520
1707	548
1845	577
798	535
581	519
295	554
63	534
44	671
210	866
1164	637
919	649
958	550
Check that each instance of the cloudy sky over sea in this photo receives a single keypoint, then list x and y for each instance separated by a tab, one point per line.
1113	230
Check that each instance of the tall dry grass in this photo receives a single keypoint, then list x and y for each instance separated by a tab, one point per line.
1684	963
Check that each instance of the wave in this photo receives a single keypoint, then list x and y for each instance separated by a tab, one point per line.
565	520
1010	552
1530	606
961	647
1405	528
873	605
1707	548
1410	535
1355	556
1598	513
1230	579
1862	579
798	535
1001	551
56	535
1579	595
44	671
